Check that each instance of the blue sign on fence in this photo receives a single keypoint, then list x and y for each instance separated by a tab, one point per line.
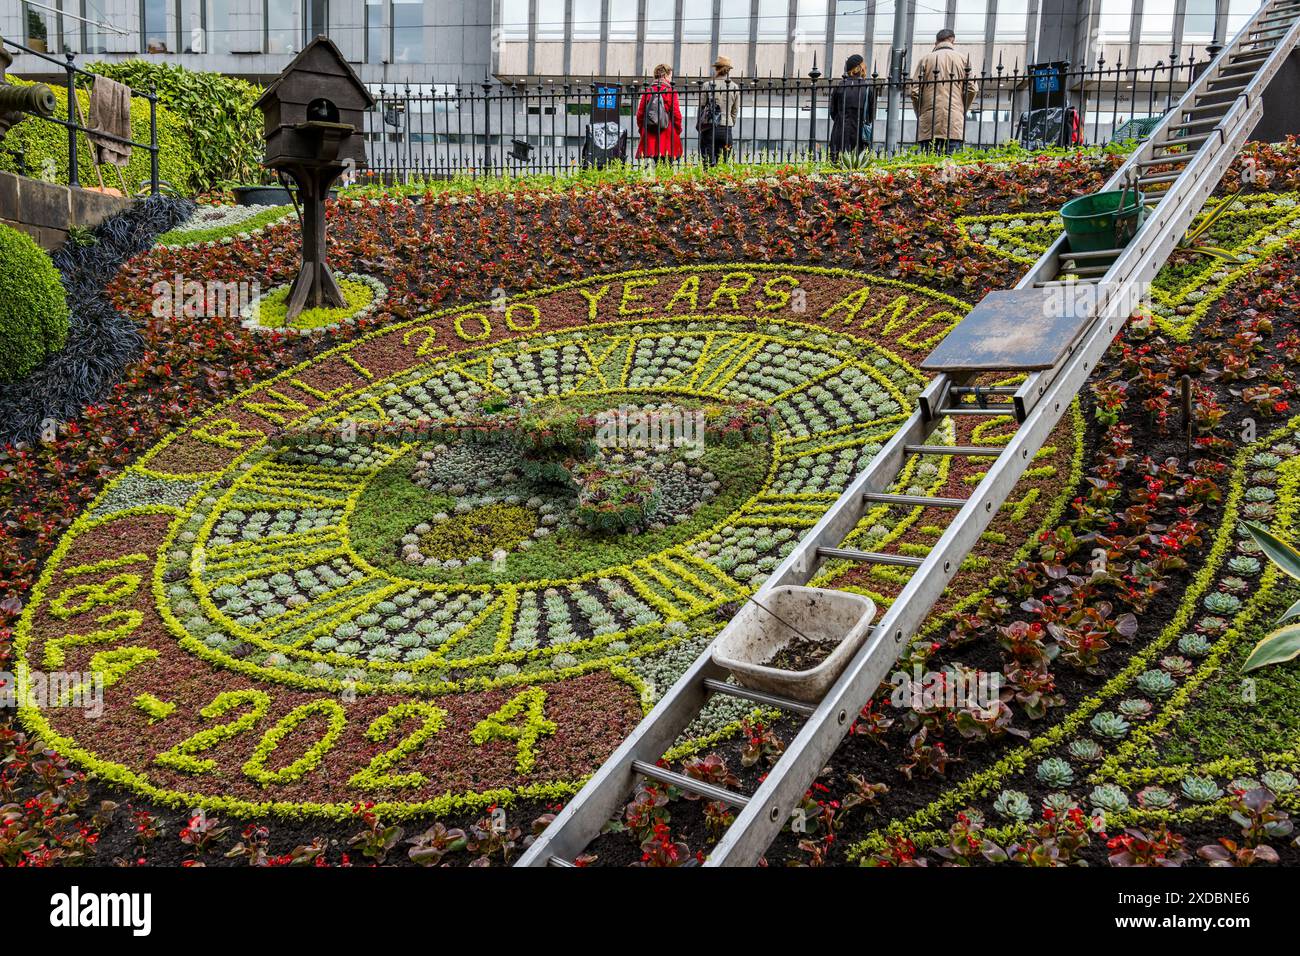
1047	81
607	97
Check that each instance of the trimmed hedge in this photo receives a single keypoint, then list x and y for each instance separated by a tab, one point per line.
101	341
224	123
33	306
39	141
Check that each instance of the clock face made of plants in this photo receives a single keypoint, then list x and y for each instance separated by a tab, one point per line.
381	576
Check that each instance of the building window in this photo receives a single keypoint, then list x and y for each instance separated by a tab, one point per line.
550	20
586	19
93	38
734	22
153	16
884	28
1013	19
622	19
318	19
929	21
408	31
773	19
514	20
191	29
1157	20
1199	26
851	22
1113	24
810	24
660	19
376	52
697	21
282	26
38	29
970	21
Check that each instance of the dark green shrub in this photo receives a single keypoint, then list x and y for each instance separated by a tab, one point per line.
224	124
33	306
39	140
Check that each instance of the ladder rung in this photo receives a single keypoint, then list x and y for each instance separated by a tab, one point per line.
1161	178
982	390
689	784
1095	254
1233	80
870	557
1177	157
1052	282
1002	408
559	861
1246	70
758	696
1221	107
1183	141
924	501
1248	57
970	451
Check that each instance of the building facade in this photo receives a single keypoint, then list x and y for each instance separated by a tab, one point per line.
449	41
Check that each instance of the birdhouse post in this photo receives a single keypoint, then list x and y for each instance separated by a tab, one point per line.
313	114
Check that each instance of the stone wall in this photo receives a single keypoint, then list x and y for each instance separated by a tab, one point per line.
46	211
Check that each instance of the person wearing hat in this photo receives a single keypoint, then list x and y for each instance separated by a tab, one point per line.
853	110
718	108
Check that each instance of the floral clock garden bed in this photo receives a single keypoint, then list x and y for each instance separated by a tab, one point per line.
400	574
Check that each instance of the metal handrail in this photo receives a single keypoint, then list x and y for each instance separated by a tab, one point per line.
73	126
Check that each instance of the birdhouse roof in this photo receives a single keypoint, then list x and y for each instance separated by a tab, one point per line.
319	56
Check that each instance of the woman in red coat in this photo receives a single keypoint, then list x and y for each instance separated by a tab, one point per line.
664	142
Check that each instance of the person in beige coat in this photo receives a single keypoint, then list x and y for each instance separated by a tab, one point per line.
941	94
719	108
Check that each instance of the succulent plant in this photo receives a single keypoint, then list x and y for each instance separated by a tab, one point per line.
1201	789
1085	750
1220	602
1155	798
1157	683
1134	708
1109	798
1013	805
1212	625
1055	772
1244	784
1177	666
1194	645
1109	725
1279	781
1059	802
1242	564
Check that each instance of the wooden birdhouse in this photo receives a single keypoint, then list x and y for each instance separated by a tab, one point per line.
312	107
314	124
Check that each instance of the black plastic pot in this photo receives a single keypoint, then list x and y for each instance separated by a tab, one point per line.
266	195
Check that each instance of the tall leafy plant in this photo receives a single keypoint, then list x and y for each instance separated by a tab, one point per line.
224	123
1283	643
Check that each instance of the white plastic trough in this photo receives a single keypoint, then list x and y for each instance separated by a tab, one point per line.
766	624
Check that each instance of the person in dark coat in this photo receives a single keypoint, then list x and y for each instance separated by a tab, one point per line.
853	109
664	143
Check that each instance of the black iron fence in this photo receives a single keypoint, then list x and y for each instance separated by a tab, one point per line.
76	129
490	128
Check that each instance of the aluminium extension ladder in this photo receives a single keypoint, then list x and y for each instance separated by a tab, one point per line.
1199	138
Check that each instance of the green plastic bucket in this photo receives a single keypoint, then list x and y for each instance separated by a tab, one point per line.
1096	222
